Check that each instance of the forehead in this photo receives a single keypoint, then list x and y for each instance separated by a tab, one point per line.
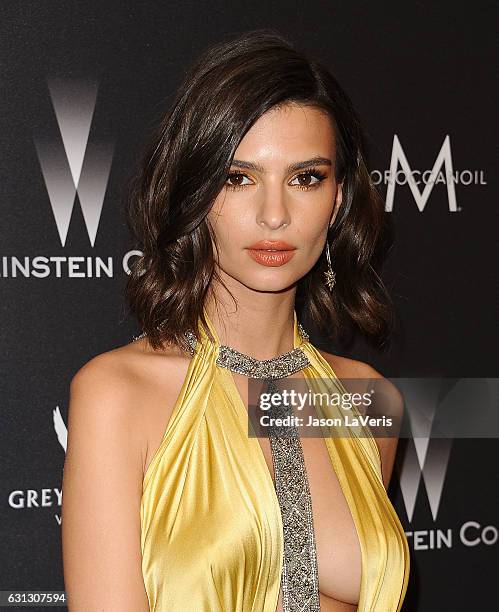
288	133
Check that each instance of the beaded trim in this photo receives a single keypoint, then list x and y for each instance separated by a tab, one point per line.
276	367
300	576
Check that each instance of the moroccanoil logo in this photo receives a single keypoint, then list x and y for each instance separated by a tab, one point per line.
422	183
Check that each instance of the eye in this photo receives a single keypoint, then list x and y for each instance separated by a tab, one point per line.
307	175
237	176
235	180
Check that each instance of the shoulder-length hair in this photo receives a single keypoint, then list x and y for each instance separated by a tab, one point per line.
185	166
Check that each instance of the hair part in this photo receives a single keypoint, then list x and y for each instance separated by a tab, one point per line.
185	166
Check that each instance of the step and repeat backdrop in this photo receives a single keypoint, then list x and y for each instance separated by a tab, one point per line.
82	86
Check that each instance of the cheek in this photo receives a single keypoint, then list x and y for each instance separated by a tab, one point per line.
313	230
231	220
315	240
227	230
316	208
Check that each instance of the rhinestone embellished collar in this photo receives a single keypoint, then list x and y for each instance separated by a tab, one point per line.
276	367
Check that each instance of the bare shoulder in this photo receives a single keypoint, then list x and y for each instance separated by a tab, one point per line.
105	393
130	363
102	394
127	388
346	368
127	370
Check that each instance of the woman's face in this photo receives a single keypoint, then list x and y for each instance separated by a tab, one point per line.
281	187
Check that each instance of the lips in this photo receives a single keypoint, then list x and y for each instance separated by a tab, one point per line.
272	245
271	253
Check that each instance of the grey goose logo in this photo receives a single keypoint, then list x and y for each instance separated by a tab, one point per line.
60	428
71	162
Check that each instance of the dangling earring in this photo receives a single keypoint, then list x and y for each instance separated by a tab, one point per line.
330	274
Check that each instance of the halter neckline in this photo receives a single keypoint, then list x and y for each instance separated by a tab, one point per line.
228	357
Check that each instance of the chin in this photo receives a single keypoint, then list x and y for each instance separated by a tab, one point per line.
278	283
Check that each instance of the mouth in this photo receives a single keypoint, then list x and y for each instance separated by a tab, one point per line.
271	253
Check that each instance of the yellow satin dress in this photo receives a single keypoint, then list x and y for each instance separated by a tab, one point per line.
211	527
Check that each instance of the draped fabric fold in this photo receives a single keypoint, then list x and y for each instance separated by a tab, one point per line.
211	528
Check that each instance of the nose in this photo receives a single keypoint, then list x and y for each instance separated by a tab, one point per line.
272	210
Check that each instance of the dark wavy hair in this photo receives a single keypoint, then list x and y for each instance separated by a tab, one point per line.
185	166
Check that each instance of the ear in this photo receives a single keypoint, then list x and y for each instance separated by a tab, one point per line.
337	203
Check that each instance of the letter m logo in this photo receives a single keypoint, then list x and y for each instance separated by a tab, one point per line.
444	158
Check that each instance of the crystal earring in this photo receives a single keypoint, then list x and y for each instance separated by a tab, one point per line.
330	274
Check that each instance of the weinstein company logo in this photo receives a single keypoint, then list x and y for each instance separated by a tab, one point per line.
75	167
423	467
422	183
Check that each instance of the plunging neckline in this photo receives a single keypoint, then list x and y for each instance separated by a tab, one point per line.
242	412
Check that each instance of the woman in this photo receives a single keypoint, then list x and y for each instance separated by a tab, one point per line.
254	204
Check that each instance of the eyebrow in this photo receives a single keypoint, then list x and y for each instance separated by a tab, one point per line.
315	161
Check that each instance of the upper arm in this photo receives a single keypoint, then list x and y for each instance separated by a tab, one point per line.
102	483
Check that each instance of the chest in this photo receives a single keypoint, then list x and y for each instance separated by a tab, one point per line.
338	547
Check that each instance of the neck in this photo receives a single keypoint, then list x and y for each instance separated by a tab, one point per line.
262	329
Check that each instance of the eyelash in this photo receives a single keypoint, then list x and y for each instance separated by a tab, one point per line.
315	172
